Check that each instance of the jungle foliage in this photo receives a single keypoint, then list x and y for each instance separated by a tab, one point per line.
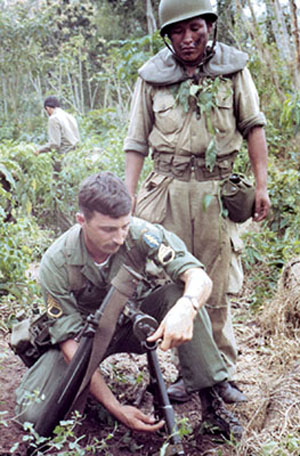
87	53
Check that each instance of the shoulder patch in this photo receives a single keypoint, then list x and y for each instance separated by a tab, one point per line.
151	239
165	254
53	307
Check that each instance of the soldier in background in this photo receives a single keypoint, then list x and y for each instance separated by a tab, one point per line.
63	135
63	130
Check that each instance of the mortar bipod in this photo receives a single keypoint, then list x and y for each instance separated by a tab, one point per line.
143	326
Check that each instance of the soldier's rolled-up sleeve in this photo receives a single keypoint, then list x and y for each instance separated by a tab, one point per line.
165	248
183	259
141	119
247	108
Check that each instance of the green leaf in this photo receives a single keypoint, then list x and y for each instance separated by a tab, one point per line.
163	450
211	155
14	448
207	199
194	89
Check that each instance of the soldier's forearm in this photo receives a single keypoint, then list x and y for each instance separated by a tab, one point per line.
98	387
44	149
197	285
104	395
258	154
134	162
69	348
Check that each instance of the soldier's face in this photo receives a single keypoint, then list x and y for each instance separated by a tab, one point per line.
189	39
103	234
49	110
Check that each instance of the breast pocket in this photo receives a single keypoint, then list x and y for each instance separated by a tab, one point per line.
168	115
223	114
90	298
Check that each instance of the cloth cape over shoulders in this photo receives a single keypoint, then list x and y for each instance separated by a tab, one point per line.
163	68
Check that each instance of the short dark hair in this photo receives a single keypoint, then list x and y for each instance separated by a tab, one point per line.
52	102
106	193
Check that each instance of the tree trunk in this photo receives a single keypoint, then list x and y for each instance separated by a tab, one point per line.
151	22
257	37
296	40
81	83
4	92
280	32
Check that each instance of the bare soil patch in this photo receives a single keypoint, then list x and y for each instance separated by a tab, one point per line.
268	373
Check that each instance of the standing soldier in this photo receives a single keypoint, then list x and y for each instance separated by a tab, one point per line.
194	103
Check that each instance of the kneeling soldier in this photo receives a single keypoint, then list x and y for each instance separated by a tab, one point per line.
75	274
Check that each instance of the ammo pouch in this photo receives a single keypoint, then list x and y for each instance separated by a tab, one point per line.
238	197
30	338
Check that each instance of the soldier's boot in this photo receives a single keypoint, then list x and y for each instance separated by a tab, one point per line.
216	415
228	391
177	391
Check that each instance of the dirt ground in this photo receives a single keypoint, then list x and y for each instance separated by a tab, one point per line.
122	373
268	373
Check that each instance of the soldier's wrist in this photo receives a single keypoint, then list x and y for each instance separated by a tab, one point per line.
193	301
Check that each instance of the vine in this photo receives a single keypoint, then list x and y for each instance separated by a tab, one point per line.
203	98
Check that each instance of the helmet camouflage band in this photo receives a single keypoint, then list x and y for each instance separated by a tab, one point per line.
172	11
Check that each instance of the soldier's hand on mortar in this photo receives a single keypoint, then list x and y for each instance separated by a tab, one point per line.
135	419
177	326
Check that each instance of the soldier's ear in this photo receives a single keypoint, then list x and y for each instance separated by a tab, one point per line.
209	26
80	218
49	110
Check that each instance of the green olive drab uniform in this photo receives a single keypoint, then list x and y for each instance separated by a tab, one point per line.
74	286
182	193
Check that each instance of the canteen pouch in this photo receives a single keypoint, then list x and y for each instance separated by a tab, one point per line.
30	338
238	197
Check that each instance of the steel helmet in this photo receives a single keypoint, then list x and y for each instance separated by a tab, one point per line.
172	11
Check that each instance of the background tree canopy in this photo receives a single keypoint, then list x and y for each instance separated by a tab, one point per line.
87	53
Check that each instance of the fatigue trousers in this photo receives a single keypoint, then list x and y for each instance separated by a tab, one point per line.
192	211
201	362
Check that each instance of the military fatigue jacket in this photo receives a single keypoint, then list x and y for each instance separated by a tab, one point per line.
69	302
160	119
63	132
